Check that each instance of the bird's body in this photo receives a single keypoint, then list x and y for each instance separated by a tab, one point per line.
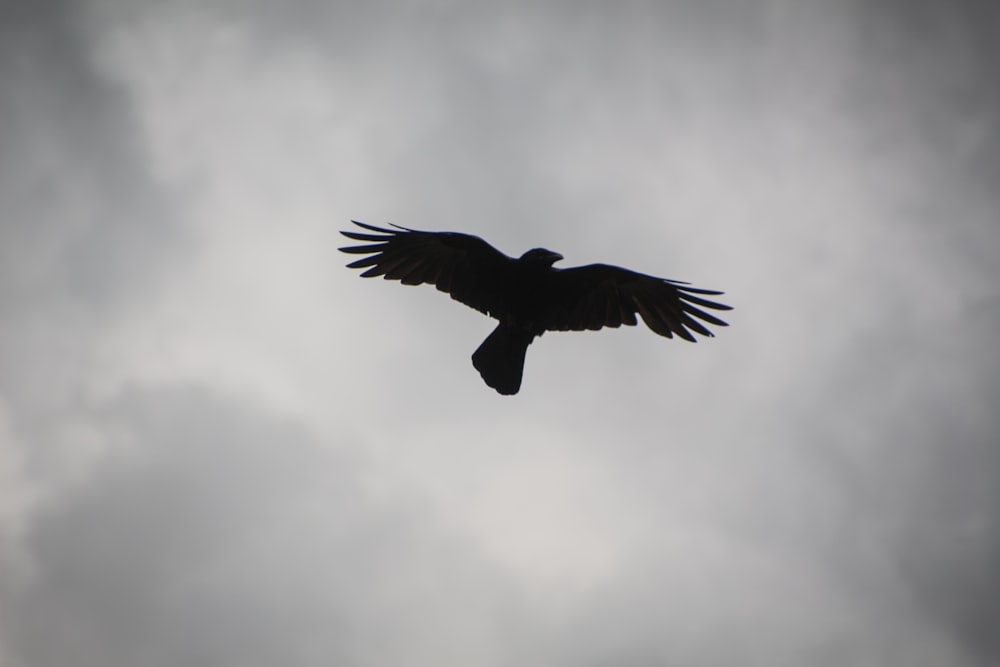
528	295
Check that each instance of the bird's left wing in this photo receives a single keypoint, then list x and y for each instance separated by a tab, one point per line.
465	266
600	295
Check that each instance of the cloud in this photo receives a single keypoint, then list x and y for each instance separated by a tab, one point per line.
219	446
214	534
75	179
85	228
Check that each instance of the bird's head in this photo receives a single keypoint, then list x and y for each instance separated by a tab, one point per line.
541	256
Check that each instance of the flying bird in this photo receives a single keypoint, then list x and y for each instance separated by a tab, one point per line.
528	295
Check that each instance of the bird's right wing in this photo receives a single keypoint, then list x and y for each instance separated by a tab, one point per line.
600	295
465	266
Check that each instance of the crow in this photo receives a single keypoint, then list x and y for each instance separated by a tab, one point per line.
528	295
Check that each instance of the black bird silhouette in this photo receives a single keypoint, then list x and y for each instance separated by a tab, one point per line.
528	295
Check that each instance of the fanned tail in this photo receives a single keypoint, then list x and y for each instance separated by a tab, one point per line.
500	359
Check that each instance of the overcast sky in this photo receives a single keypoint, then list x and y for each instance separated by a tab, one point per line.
218	446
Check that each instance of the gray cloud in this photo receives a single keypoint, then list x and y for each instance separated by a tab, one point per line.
223	448
83	214
84	226
217	535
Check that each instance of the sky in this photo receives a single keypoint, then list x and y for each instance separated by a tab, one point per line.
218	446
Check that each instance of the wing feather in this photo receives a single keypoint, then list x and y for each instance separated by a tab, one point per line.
600	295
612	311
464	266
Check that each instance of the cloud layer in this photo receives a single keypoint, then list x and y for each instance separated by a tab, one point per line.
218	446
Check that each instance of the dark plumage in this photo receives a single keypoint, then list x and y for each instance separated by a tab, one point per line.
528	295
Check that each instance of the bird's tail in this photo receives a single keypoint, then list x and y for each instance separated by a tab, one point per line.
500	359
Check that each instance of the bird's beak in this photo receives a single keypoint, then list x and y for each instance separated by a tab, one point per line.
555	256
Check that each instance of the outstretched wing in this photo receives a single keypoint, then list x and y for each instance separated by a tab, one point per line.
465	266
599	295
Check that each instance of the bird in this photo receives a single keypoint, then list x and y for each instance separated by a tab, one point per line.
528	295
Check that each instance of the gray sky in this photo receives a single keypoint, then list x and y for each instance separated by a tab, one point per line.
218	446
